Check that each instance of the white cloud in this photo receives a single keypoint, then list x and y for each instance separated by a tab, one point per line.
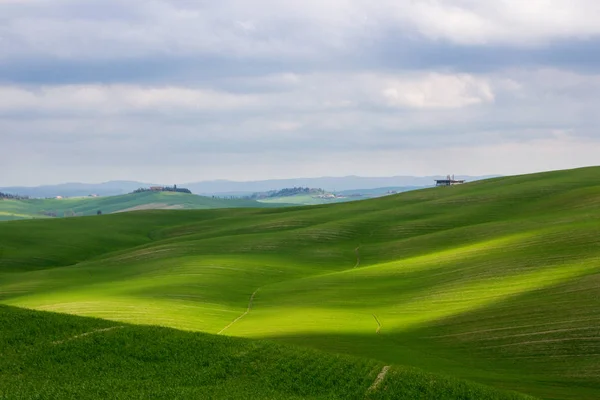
438	91
315	112
508	22
314	92
369	109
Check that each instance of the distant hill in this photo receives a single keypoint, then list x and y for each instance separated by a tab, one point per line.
377	192
307	199
84	206
26	208
326	183
230	188
112	188
287	192
319	196
314	196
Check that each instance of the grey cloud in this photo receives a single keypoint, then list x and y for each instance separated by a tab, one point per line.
335	34
391	53
256	89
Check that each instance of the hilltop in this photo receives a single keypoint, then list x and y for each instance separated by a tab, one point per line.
298	196
320	196
493	281
288	192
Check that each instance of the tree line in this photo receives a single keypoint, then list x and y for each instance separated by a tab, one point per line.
164	189
12	196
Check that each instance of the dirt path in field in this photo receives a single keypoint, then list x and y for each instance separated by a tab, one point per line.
379	378
243	315
87	334
378	324
356	251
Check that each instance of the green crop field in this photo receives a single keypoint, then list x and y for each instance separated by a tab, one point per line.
47	355
496	282
85	206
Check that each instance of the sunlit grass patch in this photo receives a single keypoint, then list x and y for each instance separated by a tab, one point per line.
47	355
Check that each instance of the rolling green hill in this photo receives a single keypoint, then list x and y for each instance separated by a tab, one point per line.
494	281
82	206
47	355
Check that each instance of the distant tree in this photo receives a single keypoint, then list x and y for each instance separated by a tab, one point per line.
99	212
165	189
12	196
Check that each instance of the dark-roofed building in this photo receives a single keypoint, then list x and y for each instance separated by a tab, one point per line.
449	181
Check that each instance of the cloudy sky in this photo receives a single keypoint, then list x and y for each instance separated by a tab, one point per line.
180	91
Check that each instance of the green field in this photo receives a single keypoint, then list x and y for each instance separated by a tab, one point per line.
85	206
494	281
47	355
305	200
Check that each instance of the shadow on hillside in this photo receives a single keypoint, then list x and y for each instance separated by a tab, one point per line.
545	342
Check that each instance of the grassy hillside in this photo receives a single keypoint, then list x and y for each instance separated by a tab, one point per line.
382	191
47	355
305	200
494	281
39	208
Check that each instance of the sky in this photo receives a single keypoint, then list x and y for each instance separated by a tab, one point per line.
184	91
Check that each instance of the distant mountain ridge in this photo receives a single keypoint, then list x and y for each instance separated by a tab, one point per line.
233	188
